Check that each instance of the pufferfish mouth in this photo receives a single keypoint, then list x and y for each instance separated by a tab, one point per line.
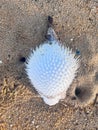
52	97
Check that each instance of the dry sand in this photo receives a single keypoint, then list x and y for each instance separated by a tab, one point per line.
23	24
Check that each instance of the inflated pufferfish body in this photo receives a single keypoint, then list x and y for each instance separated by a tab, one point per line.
51	68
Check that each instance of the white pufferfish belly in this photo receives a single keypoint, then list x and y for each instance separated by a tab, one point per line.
51	69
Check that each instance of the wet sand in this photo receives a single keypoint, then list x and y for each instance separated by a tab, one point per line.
23	25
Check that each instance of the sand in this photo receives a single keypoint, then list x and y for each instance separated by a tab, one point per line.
23	25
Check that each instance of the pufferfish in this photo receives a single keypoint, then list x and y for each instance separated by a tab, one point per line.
51	68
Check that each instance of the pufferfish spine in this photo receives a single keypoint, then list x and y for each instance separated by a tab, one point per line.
51	68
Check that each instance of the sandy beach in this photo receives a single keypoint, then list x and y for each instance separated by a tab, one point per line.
23	25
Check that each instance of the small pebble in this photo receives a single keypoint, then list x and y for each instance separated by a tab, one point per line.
1	62
32	122
37	126
11	125
94	9
87	112
85	119
71	39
